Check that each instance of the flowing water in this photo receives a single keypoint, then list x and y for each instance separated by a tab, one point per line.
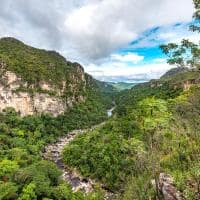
53	152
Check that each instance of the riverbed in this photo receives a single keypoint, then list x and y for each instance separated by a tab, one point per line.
54	151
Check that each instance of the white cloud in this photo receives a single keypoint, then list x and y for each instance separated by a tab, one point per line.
165	34
160	60
98	28
129	57
89	31
193	37
118	70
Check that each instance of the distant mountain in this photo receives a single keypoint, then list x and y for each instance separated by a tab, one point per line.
175	71
122	85
170	85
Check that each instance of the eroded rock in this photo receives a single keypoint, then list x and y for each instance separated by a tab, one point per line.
26	103
167	188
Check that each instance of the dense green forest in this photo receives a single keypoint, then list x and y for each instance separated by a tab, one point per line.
154	129
151	134
23	172
35	64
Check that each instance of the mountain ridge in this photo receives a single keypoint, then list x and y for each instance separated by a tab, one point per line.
36	80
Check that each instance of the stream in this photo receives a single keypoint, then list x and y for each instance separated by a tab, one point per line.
53	152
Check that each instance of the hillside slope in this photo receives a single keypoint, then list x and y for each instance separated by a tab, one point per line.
168	86
153	134
36	81
52	97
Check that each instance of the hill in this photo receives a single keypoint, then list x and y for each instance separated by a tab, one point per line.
153	134
42	98
34	80
122	85
174	71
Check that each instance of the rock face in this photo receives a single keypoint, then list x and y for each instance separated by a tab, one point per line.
48	100
167	188
189	83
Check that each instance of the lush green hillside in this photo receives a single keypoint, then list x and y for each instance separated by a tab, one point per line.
36	65
174	71
32	64
164	88
149	149
23	172
24	175
155	129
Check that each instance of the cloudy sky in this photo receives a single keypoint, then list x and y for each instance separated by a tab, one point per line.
115	40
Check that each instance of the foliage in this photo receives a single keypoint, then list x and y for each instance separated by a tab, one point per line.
36	66
104	155
32	64
187	53
28	192
23	173
154	129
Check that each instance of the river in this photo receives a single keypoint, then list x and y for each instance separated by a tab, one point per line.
110	111
54	151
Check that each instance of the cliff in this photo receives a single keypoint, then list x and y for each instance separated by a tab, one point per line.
37	81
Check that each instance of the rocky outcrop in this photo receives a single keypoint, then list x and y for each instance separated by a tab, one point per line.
14	92
167	188
189	83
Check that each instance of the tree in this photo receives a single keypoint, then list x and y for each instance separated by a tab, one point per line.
153	116
7	169
8	190
196	27
186	53
28	192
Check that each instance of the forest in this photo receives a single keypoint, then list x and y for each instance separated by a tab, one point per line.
154	130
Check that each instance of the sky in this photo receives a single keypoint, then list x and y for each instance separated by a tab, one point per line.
114	40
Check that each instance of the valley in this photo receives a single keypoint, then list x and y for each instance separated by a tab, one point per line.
66	136
103	144
53	152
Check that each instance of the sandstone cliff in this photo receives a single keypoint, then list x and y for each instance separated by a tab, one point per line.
14	92
35	81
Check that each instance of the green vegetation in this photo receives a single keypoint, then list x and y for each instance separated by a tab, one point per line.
187	53
154	135
34	65
91	112
164	88
24	174
122	85
155	128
